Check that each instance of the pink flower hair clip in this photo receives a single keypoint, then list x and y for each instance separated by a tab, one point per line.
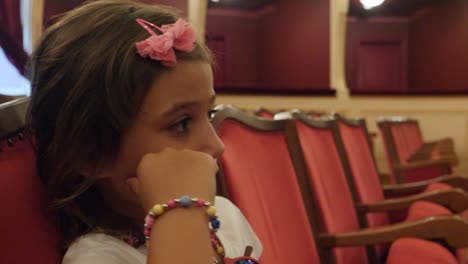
178	36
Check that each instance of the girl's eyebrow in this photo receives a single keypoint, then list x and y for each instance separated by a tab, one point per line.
175	108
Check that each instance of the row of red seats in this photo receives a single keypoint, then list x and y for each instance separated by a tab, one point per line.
410	158
309	204
413	163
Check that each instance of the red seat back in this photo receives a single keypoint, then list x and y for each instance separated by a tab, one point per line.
266	115
28	234
329	184
261	181
408	139
390	153
364	172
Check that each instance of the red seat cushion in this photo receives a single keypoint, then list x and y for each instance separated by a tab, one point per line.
412	250
28	235
423	209
438	186
261	181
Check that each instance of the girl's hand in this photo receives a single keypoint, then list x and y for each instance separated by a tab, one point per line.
172	173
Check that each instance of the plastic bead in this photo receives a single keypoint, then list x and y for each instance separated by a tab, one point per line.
200	203
158	209
185	201
220	250
171	204
149	219
211	211
215	223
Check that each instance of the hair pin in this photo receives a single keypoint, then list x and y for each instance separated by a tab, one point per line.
177	36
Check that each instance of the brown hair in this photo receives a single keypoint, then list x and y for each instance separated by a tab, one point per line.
88	83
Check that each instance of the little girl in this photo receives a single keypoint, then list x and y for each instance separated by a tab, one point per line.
120	107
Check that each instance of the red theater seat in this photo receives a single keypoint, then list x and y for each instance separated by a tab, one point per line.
28	232
259	178
409	157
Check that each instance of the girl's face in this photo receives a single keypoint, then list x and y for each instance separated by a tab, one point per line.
174	114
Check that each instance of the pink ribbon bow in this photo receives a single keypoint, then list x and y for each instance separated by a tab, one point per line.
178	36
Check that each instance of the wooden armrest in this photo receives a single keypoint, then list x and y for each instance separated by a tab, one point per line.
438	145
454	199
438	154
451	229
445	145
437	150
458	181
445	161
446	140
405	188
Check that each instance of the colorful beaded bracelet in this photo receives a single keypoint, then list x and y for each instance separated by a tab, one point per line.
186	202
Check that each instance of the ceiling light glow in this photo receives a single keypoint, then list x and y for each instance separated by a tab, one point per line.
368	4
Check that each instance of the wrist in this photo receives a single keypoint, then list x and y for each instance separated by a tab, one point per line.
185	209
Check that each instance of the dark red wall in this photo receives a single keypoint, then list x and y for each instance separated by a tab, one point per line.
439	48
358	30
295	45
287	47
55	7
242	41
437	39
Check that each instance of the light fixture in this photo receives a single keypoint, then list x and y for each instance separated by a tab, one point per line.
368	4
215	1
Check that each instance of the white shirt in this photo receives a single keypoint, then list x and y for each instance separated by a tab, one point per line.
235	234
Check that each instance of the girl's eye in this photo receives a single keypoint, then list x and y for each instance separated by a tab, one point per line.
211	113
181	126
